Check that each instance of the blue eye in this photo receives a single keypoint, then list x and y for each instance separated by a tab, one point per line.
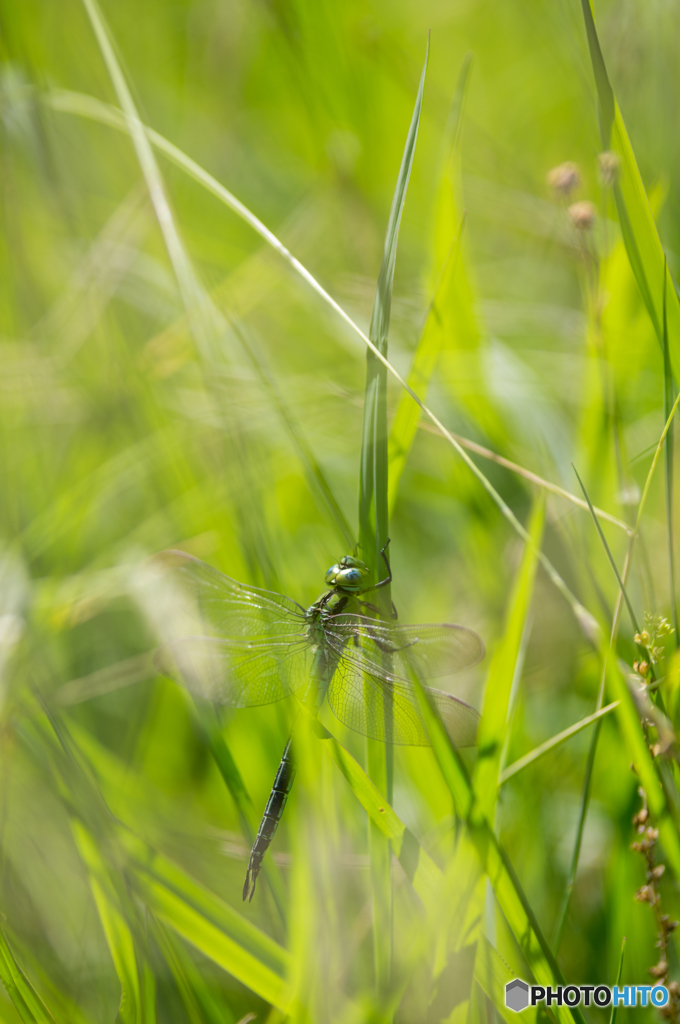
352	574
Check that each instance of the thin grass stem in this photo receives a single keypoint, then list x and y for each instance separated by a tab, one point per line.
668	451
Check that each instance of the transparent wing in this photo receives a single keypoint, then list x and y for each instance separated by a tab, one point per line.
238	673
378	704
429	650
229	608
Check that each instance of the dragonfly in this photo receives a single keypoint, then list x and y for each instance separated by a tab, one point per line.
258	647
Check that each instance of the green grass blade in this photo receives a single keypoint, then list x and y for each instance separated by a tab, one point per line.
119	937
90	824
607	674
494	725
495	863
553	743
169	892
405	425
24	997
228	769
609	555
421	870
373	497
199	310
668	452
640	235
373	535
615	1006
627	715
198	1002
492	975
208	923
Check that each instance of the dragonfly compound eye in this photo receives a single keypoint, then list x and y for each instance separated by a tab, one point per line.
349	562
351	579
330	577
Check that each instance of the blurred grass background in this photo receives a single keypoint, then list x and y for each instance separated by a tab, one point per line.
126	428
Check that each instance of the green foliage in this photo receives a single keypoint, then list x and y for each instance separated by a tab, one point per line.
217	334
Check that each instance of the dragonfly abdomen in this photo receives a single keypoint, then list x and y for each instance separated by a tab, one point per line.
270	819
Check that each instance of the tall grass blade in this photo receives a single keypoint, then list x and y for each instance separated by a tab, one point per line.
492	975
553	743
373	498
592	751
506	886
420	868
609	555
578	840
24	997
630	729
405	425
167	890
199	1004
668	452
209	924
201	315
615	1005
133	1007
640	235
494	725
91	828
373	536
637	747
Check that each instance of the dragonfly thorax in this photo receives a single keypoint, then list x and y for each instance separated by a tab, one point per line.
349	574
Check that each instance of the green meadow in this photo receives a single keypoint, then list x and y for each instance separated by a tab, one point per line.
279	281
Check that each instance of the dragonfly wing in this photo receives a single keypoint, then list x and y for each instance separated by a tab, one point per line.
459	719
237	673
378	704
428	650
230	608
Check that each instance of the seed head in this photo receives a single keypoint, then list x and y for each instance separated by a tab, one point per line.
657	871
564	179
582	215
608	164
642	638
660	969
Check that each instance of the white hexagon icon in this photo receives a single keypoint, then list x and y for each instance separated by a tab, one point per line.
517	995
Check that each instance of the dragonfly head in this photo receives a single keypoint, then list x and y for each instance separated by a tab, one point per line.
348	574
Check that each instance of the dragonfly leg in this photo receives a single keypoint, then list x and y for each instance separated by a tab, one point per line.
382	583
388	578
394	614
270	819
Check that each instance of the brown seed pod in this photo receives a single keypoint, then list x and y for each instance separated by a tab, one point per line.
564	179
582	215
